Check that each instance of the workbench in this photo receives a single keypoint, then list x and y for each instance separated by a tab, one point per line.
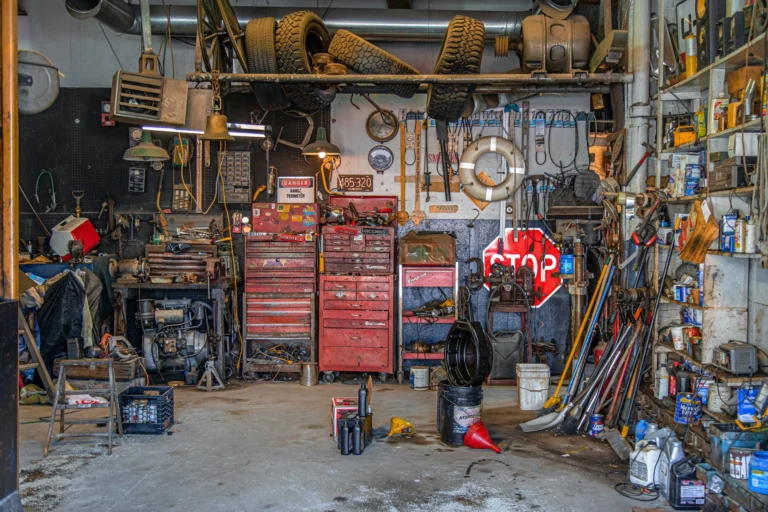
220	293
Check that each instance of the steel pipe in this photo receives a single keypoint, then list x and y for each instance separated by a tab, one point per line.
499	78
371	24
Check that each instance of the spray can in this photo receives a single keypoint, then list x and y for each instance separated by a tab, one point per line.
691	56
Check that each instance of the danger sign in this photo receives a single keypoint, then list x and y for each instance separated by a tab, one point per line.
534	249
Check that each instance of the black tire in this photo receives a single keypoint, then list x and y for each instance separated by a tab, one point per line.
299	36
260	52
461	54
358	54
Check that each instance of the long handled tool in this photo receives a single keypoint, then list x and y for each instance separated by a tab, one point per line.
554	401
627	406
581	363
442	136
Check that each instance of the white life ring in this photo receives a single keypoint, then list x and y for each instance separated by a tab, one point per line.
474	152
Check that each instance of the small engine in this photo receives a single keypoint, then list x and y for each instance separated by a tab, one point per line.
175	333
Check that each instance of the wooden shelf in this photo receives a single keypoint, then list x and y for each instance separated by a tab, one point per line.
722	418
724	254
720	375
704	195
700	81
691	147
425	357
683	304
748	127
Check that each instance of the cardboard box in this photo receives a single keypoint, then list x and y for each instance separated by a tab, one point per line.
339	406
737	80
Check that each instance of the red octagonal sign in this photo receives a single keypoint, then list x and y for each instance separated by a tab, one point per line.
533	248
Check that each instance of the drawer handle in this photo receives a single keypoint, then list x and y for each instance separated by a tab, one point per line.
356	315
355	324
359	360
339	286
354	337
356	305
372	295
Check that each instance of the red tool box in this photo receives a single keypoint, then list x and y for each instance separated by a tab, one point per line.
357	289
280	281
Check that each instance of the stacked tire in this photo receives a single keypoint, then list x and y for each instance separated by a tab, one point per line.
461	54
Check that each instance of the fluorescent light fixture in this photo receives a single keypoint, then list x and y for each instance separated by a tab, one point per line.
249	134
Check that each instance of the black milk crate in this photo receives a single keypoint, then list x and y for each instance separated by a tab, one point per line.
144	413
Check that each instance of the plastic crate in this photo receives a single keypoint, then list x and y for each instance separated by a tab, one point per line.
144	413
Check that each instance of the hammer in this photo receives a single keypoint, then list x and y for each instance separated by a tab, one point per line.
649	150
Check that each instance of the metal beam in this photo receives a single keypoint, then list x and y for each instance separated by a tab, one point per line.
399	4
9	154
487	79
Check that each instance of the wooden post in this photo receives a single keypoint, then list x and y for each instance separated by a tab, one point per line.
9	152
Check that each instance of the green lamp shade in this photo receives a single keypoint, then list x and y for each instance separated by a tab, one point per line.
321	147
146	151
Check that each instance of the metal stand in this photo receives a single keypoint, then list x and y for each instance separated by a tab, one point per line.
207	380
60	405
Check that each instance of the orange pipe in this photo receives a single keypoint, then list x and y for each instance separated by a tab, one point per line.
9	123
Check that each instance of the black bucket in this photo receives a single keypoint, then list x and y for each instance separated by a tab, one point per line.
458	407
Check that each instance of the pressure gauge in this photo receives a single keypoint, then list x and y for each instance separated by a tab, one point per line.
134	136
381	125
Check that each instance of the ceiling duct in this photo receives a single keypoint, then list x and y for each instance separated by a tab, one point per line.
371	24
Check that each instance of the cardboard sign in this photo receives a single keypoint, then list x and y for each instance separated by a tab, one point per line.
296	189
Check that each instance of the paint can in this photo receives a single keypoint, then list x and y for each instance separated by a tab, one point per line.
687	408
596	425
419	378
309	374
739	462
718	395
702	388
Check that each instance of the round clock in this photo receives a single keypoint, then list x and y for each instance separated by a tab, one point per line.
381	158
381	125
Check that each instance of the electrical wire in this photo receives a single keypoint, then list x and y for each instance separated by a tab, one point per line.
110	46
34	211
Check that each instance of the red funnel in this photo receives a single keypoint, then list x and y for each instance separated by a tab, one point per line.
477	436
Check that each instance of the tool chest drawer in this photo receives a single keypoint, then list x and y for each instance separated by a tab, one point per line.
359	249
356	323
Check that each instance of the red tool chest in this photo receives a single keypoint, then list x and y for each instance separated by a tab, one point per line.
357	289
356	324
280	281
359	249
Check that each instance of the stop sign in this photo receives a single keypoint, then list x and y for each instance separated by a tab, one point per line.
533	248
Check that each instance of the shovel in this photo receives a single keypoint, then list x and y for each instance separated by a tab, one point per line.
550	420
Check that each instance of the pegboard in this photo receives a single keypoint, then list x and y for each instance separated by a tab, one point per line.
69	141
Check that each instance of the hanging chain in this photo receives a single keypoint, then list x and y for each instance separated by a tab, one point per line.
216	101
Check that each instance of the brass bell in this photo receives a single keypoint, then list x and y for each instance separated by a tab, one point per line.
216	128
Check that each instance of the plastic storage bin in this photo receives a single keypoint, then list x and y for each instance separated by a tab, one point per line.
146	409
724	436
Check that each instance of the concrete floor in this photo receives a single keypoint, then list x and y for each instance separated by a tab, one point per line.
266	446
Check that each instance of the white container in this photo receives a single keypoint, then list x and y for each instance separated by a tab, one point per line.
740	236
748	148
661	386
419	378
532	386
676	333
718	395
642	469
750	238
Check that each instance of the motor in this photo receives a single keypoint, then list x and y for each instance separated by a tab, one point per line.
175	334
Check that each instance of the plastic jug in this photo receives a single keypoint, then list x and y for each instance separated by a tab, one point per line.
644	461
673	452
